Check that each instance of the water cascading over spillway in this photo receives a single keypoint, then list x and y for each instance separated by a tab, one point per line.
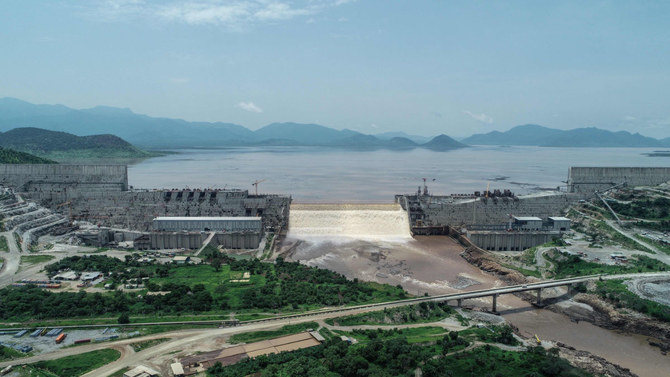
352	221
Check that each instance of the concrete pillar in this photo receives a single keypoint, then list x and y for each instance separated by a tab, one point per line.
569	289
460	302
539	296
495	302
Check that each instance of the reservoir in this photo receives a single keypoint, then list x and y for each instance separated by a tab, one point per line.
328	175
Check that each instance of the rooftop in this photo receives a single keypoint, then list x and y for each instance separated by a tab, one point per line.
527	218
195	218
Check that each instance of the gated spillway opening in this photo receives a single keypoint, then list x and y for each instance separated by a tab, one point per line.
354	221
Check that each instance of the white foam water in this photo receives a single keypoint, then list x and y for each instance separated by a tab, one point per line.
348	222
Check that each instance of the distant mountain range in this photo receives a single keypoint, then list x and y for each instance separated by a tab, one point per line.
531	134
64	146
176	133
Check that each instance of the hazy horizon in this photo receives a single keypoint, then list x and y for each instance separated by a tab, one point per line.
424	68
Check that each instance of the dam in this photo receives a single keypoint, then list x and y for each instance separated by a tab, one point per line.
352	221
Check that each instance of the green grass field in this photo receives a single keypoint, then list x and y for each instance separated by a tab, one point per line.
414	334
256	336
575	266
617	292
30	260
7	353
139	346
421	313
73	366
3	244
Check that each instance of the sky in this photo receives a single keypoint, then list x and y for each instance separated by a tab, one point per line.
421	67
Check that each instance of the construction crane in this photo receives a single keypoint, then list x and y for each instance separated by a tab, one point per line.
69	207
255	184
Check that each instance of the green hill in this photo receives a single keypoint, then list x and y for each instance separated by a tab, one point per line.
64	146
531	134
9	156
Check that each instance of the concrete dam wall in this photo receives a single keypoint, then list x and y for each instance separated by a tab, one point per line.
445	210
590	179
99	193
62	177
136	209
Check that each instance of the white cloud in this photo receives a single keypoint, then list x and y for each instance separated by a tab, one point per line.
342	2
249	106
279	11
629	118
229	13
659	123
480	117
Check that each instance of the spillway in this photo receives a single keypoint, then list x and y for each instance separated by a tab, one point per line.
348	221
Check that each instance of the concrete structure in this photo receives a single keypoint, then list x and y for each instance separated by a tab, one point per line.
194	240
90	276
556	223
590	179
63	178
181	259
527	223
207	224
436	211
509	241
177	370
141	371
99	193
522	233
67	275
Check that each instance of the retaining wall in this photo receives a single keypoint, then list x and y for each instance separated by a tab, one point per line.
590	179
64	177
504	241
443	211
178	240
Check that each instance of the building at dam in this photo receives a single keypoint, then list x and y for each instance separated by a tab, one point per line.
430	214
207	224
101	194
522	232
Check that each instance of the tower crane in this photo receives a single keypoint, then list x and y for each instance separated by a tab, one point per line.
255	184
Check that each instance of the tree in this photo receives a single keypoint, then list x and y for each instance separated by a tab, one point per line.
124	318
216	264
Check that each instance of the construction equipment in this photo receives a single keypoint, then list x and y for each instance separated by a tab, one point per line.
255	184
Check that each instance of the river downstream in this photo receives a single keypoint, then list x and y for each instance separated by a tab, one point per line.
433	265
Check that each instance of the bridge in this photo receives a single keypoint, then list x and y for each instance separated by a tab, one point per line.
335	312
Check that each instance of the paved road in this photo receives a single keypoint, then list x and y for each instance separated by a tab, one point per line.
12	260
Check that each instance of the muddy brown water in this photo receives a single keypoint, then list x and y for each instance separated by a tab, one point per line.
434	265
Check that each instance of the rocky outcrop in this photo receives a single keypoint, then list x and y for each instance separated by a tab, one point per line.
607	316
592	363
486	262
